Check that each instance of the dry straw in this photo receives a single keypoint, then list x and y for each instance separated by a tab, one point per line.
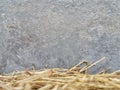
75	78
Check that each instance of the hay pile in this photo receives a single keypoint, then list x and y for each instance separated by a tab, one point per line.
75	78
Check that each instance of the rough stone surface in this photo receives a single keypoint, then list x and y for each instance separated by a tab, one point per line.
59	33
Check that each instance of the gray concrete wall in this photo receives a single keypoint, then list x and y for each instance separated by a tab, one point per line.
58	33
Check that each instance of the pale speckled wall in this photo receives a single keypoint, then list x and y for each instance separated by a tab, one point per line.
59	33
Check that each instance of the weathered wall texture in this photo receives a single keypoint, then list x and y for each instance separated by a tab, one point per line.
58	33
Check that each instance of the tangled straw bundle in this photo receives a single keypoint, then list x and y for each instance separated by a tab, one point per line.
75	78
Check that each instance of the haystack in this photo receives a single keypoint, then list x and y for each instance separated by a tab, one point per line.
75	78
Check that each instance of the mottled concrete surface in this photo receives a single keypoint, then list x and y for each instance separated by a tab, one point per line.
59	33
